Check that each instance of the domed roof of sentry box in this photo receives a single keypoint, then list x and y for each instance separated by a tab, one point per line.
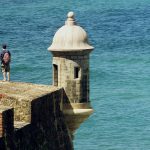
70	37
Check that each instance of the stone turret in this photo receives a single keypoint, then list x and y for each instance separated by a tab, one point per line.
71	49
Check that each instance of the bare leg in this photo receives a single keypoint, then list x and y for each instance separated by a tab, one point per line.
4	76
8	76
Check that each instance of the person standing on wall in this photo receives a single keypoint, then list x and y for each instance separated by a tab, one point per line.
5	57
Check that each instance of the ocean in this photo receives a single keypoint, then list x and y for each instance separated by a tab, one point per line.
119	65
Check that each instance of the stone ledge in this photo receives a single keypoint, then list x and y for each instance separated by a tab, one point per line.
20	96
4	108
24	90
20	124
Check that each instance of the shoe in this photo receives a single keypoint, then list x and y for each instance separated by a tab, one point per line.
4	79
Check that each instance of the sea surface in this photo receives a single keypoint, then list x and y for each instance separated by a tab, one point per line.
119	65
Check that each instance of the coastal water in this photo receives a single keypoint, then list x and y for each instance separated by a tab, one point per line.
119	66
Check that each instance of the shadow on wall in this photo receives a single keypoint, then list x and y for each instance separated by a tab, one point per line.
47	130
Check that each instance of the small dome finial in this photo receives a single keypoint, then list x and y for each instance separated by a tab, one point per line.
70	14
70	20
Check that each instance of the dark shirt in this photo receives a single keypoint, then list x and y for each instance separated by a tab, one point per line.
2	55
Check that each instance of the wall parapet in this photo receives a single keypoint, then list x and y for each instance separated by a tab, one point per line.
36	122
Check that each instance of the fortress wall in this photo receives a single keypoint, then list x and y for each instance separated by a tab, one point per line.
47	129
22	107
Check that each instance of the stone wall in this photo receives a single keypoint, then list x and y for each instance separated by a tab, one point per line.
45	130
72	74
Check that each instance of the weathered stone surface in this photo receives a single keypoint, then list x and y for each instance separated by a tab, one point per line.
45	130
75	83
20	95
71	50
75	114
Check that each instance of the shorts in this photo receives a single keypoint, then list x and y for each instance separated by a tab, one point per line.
5	67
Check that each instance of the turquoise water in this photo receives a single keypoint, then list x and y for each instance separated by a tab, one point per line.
120	82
